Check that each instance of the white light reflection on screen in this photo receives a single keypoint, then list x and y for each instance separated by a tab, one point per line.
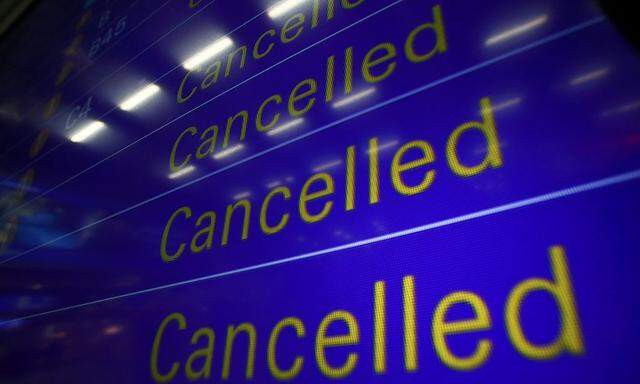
228	152
505	104
589	76
386	145
328	165
517	30
207	53
86	132
242	195
277	183
283	7
184	171
139	97
285	127
625	108
354	98
112	330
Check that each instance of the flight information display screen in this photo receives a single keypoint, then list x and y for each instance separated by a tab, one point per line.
309	191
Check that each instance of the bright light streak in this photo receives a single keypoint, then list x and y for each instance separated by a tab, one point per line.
228	152
283	7
590	76
112	330
629	107
207	53
87	131
517	30
353	98
385	146
242	195
632	106
506	104
139	97
285	127
329	165
184	171
273	184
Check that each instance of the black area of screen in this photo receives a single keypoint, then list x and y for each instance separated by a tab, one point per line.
625	16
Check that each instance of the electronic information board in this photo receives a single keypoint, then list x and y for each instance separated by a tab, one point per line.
309	191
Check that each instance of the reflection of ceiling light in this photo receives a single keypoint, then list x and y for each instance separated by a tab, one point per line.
384	146
87	131
325	166
277	183
505	104
139	97
629	107
242	195
229	151
207	52
517	30
590	76
182	172
112	330
283	7
632	106
353	98
284	127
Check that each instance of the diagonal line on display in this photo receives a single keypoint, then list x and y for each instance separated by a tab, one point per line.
571	191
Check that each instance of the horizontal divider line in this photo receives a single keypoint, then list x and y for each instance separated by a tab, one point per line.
184	114
577	189
311	133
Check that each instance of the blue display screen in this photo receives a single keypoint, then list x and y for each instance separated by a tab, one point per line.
307	191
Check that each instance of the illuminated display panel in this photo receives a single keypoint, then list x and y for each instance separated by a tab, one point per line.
317	190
